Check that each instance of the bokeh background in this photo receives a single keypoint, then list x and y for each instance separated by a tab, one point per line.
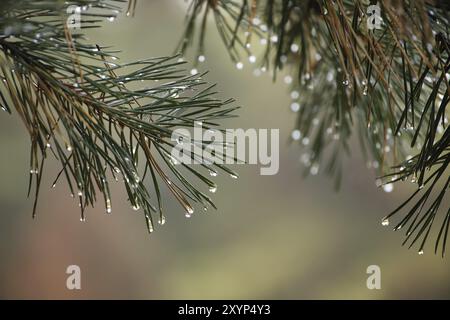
273	237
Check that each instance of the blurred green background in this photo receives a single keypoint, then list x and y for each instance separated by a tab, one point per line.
273	237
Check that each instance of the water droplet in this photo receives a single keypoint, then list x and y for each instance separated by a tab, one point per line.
378	182
213	189
83	219
305	141
296	134
194	71
314	169
136	207
234	176
295	107
385	222
239	65
252	59
162	220
69	148
108	206
288	79
295	95
420	252
111	19
213	173
294	47
201	58
388	187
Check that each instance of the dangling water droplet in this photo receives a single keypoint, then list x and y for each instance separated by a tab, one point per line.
378	182
314	169
252	59
194	71
239	65
345	82
288	79
385	222
136	207
388	187
83	219
213	173
80	193
213	189
69	147
294	47
420	252
111	19
108	206
296	135
162	220
201	58
305	141
295	107
234	176
295	94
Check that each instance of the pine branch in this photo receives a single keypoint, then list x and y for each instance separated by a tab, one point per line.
102	119
390	84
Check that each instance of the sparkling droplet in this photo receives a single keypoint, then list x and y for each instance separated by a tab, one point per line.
388	187
194	71
234	176
136	207
213	173
295	95
378	182
295	107
385	222
201	58
296	135
420	252
239	65
314	169
162	220
294	47
108	206
111	19
252	59
305	141
213	189
288	79
69	148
